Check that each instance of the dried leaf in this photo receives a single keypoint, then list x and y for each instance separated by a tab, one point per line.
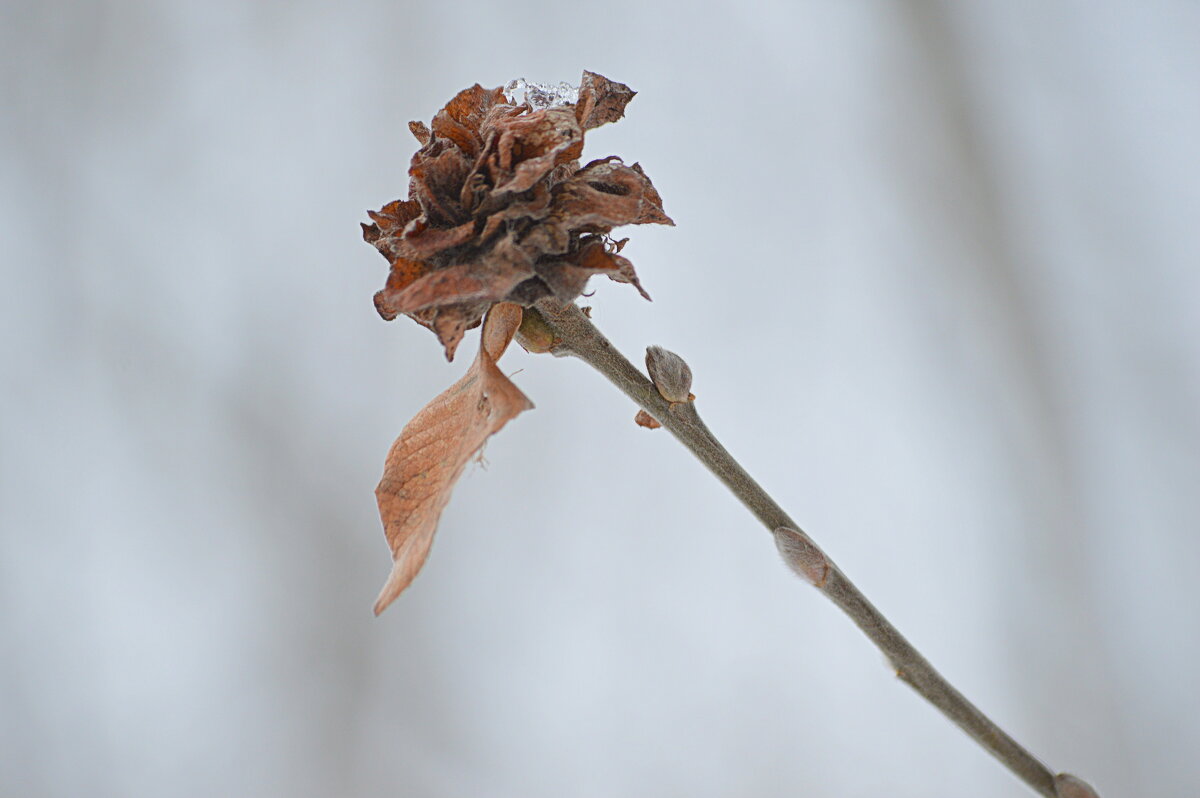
429	456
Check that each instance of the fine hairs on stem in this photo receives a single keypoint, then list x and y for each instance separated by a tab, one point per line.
567	331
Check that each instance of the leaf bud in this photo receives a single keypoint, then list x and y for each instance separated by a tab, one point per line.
670	374
1068	786
802	556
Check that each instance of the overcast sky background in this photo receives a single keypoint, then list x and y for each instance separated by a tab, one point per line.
935	271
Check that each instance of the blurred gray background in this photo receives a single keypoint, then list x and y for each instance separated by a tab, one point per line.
935	269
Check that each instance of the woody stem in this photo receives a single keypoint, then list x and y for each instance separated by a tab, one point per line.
574	334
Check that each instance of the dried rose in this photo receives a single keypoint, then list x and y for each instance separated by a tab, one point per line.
499	209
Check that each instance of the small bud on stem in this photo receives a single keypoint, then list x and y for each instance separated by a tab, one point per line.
670	374
1068	786
534	335
802	556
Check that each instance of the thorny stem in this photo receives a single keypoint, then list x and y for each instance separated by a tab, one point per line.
574	334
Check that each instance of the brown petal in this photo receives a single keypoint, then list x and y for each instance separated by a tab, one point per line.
391	219
601	100
437	174
423	241
420	132
599	259
431	453
530	146
403	274
624	273
462	117
450	322
606	194
652	208
549	236
535	208
385	311
483	281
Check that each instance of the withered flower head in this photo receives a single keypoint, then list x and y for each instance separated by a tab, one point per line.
499	209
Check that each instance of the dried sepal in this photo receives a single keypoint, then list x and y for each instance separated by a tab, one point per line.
644	419
429	456
499	209
420	132
669	373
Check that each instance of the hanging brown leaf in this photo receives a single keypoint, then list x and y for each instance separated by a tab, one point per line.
434	448
499	209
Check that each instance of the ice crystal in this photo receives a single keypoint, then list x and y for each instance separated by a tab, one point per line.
541	95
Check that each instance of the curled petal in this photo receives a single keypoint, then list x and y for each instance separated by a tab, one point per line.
601	100
534	209
436	182
597	258
404	273
528	147
390	220
652	208
420	132
466	282
461	119
423	242
607	194
450	322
